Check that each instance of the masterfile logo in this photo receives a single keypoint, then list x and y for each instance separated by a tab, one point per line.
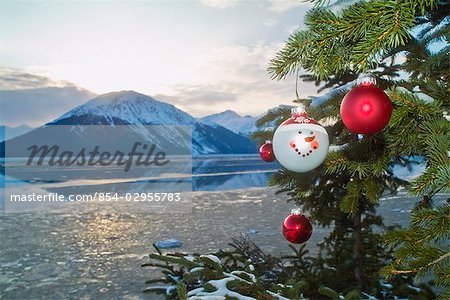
72	168
140	155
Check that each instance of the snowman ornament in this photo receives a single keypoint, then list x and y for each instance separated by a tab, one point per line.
300	143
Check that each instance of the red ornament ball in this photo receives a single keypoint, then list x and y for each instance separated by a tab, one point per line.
297	228
266	152
366	109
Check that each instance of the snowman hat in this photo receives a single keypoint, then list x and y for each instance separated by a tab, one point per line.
300	116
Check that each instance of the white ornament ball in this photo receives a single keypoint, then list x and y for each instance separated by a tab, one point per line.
300	144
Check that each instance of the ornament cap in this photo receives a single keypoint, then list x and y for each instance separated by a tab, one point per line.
299	111
299	116
366	79
296	211
268	142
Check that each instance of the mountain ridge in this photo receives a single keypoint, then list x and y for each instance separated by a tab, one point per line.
9	132
133	108
243	125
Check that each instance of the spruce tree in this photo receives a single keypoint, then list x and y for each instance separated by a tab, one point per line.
335	48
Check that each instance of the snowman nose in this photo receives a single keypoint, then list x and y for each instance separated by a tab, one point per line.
309	139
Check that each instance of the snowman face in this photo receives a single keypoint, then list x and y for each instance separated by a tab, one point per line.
304	143
300	147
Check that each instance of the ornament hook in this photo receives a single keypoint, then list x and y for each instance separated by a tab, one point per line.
298	110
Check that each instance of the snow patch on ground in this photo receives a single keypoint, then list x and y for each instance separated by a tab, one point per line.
212	257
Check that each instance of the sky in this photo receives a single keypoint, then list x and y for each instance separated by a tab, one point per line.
204	56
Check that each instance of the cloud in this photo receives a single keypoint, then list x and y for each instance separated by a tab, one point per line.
281	6
200	100
204	63
271	22
34	99
209	81
36	107
213	80
234	77
13	79
198	95
219	4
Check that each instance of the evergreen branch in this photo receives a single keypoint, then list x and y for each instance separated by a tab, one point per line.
288	59
436	261
403	99
326	291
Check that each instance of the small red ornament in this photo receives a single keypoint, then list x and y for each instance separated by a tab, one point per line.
266	152
366	109
297	228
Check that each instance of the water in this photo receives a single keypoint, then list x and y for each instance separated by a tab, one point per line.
217	173
213	172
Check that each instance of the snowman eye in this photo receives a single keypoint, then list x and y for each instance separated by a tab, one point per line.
311	132
299	132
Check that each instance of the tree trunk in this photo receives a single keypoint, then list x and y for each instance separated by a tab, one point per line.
357	242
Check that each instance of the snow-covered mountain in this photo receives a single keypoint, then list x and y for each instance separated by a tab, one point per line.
243	125
231	120
132	108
